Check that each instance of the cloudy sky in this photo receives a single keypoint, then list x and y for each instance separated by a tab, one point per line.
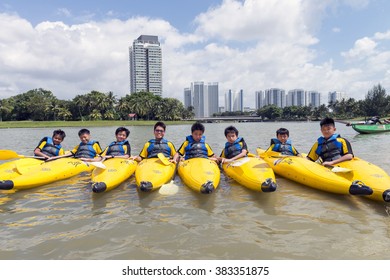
73	47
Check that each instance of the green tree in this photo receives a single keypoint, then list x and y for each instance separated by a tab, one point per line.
376	102
271	112
6	108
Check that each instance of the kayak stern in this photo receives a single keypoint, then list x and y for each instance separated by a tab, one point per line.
268	185
146	186
99	187
6	185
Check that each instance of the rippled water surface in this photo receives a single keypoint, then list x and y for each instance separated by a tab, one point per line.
65	220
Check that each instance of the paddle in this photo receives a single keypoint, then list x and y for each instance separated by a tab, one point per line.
338	169
24	169
240	161
163	159
9	154
335	169
169	188
97	164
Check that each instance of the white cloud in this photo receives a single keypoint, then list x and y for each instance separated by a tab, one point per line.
363	47
64	11
336	29
253	20
250	45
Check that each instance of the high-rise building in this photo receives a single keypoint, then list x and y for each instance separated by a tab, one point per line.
198	93
212	99
229	101
296	97
234	101
238	101
336	96
275	96
187	98
259	99
204	98
313	99
146	65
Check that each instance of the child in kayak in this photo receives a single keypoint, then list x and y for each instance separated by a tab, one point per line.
121	147
235	147
282	143
87	150
51	146
157	145
195	145
330	148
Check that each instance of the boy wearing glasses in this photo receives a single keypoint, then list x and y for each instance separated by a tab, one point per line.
157	145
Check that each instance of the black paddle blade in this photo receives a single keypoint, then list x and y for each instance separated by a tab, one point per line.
6	185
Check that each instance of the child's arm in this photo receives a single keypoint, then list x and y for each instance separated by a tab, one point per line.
333	162
68	154
243	153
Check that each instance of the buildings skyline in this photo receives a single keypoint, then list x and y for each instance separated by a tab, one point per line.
145	59
145	63
203	97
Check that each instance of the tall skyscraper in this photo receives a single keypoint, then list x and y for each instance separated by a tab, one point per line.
313	99
204	98
275	96
238	101
296	97
146	65
212	99
187	98
229	101
234	101
198	93
336	96
259	99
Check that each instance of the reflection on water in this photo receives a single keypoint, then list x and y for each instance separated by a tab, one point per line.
66	220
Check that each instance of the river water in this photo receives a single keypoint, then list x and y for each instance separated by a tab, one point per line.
65	220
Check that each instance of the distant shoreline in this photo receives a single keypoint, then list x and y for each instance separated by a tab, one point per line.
116	123
58	124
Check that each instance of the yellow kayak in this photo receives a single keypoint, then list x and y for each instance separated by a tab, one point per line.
151	174
370	174
117	171
251	172
46	173
200	174
312	174
9	170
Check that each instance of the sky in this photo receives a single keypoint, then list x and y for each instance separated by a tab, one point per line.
74	47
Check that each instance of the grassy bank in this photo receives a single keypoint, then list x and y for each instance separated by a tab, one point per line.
57	124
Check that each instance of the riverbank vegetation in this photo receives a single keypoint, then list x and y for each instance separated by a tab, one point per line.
40	107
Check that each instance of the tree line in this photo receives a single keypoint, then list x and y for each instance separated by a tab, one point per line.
375	103
42	105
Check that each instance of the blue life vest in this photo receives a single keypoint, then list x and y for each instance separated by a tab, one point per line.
233	149
116	148
86	150
285	149
196	149
50	149
329	149
156	147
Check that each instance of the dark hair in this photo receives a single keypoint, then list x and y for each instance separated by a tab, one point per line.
231	129
327	121
84	131
282	131
197	126
60	133
120	129
160	124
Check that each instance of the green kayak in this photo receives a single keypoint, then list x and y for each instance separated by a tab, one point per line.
370	128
